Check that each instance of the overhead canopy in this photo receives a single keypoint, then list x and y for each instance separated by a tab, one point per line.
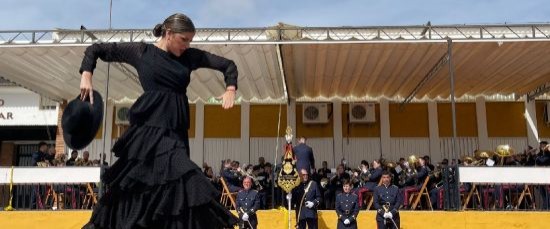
53	71
392	70
306	64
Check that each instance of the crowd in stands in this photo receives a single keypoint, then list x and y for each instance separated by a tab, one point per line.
409	175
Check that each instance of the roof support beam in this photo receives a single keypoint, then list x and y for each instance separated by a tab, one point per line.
435	69
283	76
540	90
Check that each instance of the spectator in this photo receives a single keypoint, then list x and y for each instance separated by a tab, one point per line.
85	161
40	155
72	160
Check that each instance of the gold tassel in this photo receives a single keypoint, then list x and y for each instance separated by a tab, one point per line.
9	207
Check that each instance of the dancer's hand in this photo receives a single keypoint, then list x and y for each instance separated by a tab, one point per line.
86	89
228	97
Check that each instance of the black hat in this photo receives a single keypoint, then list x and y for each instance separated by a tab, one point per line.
81	121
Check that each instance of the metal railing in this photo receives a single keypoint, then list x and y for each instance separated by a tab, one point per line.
282	34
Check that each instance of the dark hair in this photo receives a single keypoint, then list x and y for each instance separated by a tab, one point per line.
346	182
40	144
363	162
387	173
177	23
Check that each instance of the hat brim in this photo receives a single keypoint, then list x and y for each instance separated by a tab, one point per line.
86	133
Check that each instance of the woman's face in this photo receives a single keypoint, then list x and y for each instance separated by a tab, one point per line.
177	43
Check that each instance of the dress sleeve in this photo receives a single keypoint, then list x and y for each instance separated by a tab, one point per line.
197	58
128	53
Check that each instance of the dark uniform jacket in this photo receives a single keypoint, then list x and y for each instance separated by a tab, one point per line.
248	202
304	157
313	194
389	195
347	207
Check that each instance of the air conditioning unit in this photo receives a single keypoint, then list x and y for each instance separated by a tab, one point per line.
121	115
362	113
547	113
313	113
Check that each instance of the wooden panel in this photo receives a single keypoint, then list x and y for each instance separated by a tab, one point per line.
466	122
313	130
217	149
542	127
466	147
412	121
404	147
357	149
264	119
359	130
505	119
220	123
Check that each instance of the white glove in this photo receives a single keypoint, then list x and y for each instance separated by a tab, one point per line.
346	222
386	215
245	217
289	196
309	204
390	215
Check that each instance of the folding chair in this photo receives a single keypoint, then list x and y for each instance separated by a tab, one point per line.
90	198
525	193
422	192
473	192
227	195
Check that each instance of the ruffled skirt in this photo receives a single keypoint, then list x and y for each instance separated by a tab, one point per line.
154	184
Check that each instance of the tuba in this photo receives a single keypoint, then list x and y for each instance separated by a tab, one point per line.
504	151
408	176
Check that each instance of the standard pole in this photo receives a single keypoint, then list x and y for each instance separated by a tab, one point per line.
454	152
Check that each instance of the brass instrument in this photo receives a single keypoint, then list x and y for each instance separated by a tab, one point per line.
436	174
479	159
390	165
410	172
324	182
467	160
504	151
364	176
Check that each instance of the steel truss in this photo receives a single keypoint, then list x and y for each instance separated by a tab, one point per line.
285	34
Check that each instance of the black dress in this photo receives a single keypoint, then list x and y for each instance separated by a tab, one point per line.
154	184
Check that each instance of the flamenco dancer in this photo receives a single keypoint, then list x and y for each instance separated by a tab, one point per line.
154	184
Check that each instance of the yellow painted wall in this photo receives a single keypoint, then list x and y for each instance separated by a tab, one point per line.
466	121
192	115
99	134
505	119
313	130
359	130
264	120
542	127
412	121
220	123
327	219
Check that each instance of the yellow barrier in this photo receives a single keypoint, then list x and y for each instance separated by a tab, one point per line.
327	219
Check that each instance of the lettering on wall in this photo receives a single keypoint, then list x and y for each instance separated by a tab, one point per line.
4	115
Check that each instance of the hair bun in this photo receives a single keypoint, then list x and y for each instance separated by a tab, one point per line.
157	31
